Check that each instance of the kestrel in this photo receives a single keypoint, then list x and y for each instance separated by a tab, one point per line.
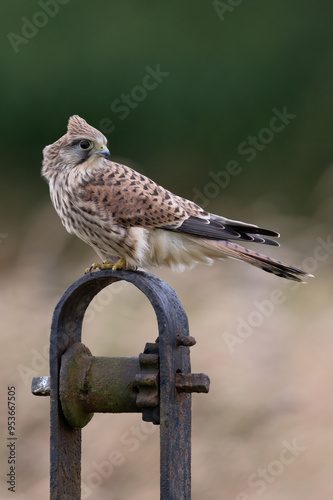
131	222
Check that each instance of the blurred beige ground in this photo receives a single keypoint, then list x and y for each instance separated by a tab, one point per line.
270	380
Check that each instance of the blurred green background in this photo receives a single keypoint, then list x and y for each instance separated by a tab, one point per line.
225	70
225	77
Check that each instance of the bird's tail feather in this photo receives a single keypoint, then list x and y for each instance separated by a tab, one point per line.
229	249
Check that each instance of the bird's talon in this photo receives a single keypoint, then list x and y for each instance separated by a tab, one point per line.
90	269
107	264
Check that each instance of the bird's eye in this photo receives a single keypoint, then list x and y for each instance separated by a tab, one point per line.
85	145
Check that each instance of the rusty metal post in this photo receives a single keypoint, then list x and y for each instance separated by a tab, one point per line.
69	359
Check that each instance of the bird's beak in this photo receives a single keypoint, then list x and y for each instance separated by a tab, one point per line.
104	152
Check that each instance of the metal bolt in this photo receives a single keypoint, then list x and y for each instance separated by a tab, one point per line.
187	341
192	382
40	386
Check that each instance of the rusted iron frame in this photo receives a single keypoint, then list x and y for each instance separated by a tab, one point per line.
175	403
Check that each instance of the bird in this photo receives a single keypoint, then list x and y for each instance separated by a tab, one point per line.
134	223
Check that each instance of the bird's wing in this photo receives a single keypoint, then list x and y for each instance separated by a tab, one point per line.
220	228
133	200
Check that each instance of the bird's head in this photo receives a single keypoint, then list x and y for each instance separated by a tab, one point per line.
83	146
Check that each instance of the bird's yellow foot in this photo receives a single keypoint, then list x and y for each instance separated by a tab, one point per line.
107	264
121	264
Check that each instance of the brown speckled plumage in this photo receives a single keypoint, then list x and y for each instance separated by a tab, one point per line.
124	215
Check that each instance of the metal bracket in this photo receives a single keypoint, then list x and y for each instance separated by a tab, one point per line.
157	383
